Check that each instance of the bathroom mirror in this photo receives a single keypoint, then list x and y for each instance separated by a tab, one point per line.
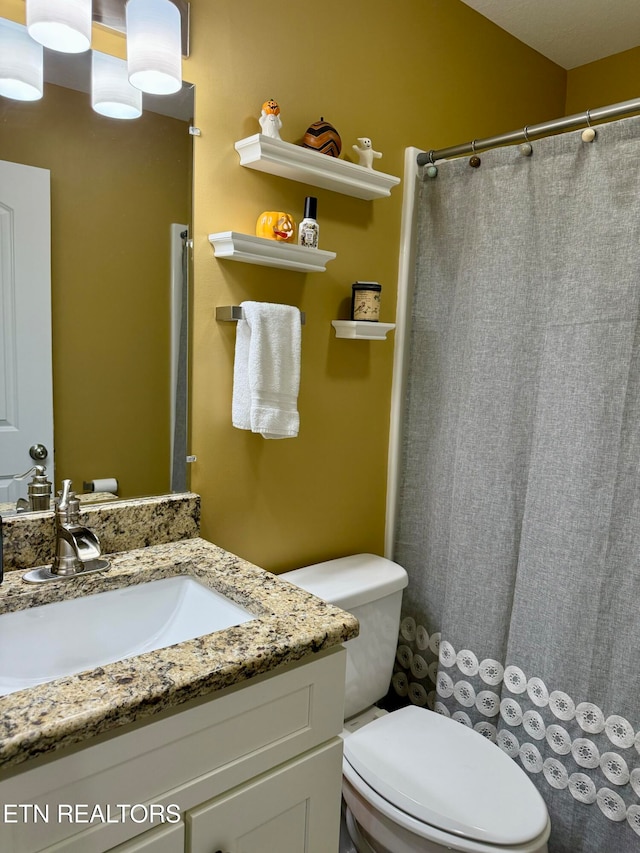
120	207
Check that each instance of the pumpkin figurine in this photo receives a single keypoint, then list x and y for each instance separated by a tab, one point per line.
323	137
270	121
276	225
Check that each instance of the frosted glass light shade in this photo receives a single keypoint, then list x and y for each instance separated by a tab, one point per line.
154	48
111	93
63	25
21	63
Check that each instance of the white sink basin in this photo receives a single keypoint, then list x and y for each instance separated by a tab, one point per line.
43	643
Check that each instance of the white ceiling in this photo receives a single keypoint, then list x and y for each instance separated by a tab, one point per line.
569	32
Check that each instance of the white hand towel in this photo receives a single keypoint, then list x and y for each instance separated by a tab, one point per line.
266	371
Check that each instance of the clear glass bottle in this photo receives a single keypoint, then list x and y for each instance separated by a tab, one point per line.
309	230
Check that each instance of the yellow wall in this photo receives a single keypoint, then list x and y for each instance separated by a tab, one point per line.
417	72
607	81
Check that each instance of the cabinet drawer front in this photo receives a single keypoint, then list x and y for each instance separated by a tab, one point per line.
295	809
181	759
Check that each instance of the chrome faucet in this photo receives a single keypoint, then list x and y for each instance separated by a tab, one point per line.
76	546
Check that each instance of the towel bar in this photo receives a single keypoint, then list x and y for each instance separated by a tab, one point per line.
233	313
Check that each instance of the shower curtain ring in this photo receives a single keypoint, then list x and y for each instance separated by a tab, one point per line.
431	170
526	149
474	161
589	134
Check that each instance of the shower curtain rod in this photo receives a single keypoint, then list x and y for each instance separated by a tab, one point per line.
529	132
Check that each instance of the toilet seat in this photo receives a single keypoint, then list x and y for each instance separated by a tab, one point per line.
402	833
424	770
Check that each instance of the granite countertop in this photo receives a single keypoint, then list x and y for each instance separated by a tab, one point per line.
289	625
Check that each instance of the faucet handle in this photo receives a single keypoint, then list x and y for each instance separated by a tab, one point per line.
63	496
68	506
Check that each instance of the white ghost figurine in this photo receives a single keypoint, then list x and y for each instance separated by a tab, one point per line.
365	152
270	121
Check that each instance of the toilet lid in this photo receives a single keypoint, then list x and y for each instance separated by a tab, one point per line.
447	775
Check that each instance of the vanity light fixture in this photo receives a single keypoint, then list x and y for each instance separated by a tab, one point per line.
63	25
154	46
111	93
21	63
157	34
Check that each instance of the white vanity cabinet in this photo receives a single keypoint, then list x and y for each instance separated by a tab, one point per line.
253	767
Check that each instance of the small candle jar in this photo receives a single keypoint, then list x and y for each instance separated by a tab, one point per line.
365	301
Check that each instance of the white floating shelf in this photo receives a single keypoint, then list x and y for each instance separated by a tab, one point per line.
311	167
361	330
232	246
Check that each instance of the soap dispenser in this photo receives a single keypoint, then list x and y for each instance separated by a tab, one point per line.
38	490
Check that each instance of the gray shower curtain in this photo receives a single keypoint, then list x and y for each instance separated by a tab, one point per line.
519	506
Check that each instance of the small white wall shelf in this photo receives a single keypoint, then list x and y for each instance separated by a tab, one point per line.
362	330
232	246
311	167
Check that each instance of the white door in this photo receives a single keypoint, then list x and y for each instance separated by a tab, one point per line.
26	388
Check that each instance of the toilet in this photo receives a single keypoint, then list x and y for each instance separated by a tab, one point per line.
414	781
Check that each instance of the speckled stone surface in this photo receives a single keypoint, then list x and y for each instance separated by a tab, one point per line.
289	624
121	525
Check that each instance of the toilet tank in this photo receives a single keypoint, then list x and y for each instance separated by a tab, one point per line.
370	587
